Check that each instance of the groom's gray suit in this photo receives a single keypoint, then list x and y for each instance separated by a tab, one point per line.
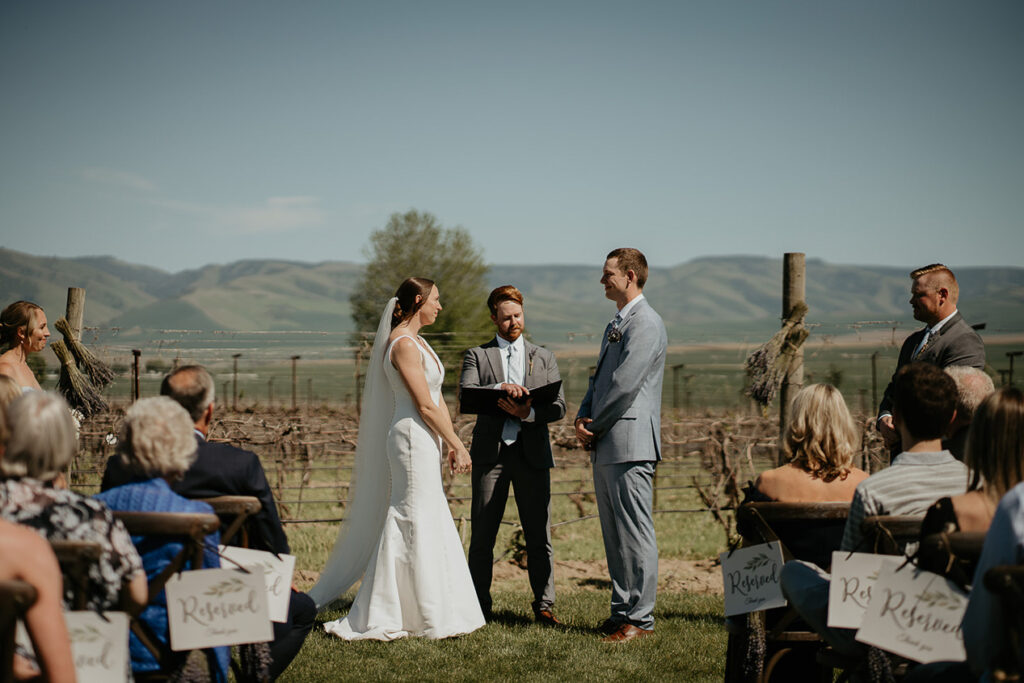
624	403
525	464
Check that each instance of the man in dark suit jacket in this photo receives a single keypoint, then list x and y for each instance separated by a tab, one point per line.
221	469
946	340
513	449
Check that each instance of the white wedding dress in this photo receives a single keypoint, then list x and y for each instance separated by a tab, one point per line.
417	582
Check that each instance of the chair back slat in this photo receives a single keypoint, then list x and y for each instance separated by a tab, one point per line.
889	534
75	559
953	555
234	512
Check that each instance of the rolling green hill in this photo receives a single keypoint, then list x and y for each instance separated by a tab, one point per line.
706	299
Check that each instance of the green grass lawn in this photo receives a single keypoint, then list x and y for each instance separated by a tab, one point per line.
688	645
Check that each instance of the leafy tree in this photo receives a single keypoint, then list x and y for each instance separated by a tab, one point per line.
414	244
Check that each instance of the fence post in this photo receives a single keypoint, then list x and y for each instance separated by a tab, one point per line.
135	374
874	380
294	359
794	287
270	392
1011	355
75	310
234	381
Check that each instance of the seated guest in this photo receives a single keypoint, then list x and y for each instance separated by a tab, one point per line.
27	557
995	458
820	442
220	470
156	446
23	331
924	404
984	623
40	445
973	386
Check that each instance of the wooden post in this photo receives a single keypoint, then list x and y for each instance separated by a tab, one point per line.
1011	355
294	359
309	392
794	276
75	310
135	373
234	380
874	381
270	392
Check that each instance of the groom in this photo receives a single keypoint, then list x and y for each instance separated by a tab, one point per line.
620	421
512	450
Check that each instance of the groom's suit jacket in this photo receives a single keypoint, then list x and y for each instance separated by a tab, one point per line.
482	367
956	343
624	395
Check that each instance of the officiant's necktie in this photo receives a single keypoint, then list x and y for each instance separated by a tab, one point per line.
924	343
513	375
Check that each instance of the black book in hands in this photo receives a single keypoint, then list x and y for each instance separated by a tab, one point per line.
484	400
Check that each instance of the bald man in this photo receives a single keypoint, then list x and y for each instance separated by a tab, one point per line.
945	341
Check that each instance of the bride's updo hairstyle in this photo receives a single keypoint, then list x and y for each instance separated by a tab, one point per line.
406	306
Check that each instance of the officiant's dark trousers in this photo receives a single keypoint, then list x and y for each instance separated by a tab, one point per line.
532	489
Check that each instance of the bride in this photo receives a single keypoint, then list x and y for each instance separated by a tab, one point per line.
398	532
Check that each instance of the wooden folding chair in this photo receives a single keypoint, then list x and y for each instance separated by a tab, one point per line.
15	599
889	534
190	529
763	522
953	555
75	559
1007	583
234	513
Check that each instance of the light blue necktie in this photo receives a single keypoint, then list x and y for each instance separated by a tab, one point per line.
514	375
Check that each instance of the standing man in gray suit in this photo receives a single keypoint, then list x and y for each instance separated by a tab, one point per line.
946	340
514	449
620	421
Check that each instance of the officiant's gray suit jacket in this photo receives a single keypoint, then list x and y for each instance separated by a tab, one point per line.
624	395
482	367
955	344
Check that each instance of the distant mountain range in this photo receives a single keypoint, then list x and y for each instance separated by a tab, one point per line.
706	299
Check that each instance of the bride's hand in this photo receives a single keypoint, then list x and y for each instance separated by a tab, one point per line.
459	461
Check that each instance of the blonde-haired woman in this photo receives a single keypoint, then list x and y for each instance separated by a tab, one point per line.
41	442
157	445
23	331
820	442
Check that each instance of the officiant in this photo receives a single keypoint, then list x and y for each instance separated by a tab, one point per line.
511	446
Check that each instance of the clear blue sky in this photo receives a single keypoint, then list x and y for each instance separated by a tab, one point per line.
182	133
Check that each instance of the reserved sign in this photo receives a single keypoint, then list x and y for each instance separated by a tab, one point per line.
751	578
214	607
849	591
915	614
99	645
277	574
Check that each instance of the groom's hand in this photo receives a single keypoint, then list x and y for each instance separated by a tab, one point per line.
584	435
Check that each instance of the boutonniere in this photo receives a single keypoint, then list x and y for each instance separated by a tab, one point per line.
529	370
614	335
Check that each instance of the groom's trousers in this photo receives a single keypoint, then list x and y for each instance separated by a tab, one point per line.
624	498
532	487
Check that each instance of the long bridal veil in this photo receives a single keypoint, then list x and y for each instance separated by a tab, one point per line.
370	485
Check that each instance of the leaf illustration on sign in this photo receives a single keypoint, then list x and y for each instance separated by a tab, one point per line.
85	634
938	600
225	587
757	561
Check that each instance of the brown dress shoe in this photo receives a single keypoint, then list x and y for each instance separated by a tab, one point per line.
627	632
546	618
609	626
